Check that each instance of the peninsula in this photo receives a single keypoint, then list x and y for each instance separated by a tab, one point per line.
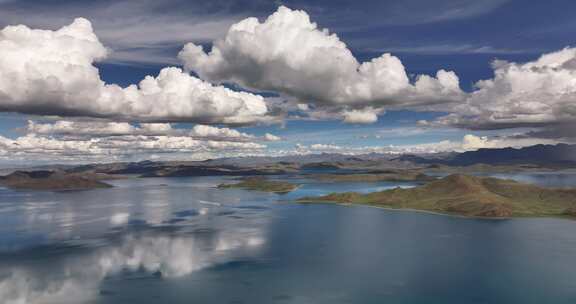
52	180
468	196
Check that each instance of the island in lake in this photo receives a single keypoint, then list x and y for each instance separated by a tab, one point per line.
52	180
468	196
261	184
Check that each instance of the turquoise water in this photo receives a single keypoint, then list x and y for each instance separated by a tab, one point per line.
181	240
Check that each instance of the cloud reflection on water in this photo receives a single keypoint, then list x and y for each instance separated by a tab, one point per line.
75	275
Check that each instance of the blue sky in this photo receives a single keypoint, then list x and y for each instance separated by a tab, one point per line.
464	36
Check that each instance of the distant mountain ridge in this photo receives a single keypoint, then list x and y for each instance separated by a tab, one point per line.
544	155
558	156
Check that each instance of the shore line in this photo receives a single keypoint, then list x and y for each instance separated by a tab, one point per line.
438	213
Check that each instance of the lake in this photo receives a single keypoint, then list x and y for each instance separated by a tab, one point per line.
181	240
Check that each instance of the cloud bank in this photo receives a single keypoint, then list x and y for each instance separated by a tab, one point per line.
52	73
130	147
85	141
314	66
469	142
540	93
103	128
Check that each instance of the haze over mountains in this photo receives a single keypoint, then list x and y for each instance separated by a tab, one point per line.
561	156
545	155
541	155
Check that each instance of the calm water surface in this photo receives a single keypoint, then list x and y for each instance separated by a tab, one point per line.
183	241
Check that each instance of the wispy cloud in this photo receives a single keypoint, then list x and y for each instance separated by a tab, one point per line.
147	31
447	49
355	15
136	31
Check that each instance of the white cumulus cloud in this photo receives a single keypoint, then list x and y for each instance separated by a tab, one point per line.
534	94
364	116
288	53
271	137
214	132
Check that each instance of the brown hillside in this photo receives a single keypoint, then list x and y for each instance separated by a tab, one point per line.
470	196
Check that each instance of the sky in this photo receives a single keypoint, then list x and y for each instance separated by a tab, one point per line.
103	81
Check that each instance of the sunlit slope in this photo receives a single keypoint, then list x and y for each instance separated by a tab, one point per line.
469	196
